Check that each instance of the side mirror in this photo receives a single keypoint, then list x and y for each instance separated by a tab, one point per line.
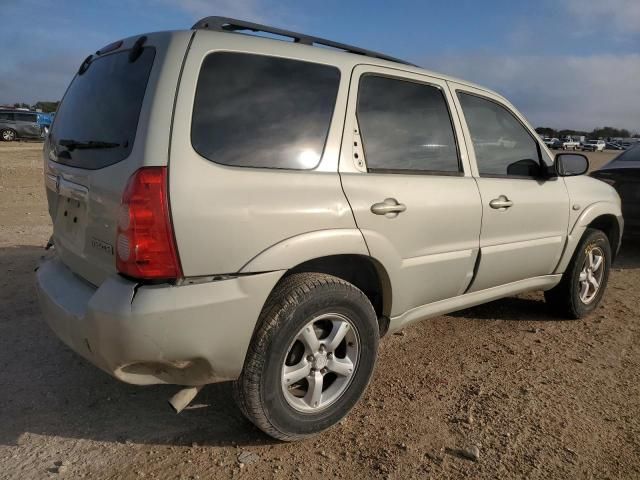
571	164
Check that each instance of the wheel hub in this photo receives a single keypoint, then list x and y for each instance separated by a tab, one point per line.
327	349
320	360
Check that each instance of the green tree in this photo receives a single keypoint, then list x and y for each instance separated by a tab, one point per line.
607	132
547	132
47	107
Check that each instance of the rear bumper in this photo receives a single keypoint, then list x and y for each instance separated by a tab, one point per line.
148	334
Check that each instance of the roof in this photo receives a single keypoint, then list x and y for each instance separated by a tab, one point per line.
224	25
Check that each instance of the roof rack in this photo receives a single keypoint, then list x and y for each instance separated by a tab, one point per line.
224	24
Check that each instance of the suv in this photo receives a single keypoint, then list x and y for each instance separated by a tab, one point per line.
594	145
553	143
16	124
262	211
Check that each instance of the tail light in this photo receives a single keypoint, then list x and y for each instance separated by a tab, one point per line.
145	246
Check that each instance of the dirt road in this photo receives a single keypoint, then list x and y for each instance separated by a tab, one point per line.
540	397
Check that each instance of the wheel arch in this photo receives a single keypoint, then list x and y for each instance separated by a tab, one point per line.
342	253
608	224
604	216
363	271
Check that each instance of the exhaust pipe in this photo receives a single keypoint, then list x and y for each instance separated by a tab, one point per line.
183	398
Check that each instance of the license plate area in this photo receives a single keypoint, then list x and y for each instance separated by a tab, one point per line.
70	224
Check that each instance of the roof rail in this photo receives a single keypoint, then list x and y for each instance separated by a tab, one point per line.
224	24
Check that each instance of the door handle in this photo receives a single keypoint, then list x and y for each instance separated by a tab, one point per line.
390	208
501	203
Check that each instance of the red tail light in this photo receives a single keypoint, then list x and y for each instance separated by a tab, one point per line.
145	246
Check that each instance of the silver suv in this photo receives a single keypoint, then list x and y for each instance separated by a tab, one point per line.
234	207
15	124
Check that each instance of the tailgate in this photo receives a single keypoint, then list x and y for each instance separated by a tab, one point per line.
114	118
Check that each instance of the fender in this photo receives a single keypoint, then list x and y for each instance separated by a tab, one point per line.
576	231
300	248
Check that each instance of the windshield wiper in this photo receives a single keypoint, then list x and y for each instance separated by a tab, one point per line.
91	144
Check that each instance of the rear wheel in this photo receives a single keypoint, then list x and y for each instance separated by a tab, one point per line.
585	280
311	357
8	135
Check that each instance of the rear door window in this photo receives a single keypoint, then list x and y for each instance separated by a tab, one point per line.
260	111
97	120
6	116
405	127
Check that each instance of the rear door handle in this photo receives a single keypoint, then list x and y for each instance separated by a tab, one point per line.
390	208
501	203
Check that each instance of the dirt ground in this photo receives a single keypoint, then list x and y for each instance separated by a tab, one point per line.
540	397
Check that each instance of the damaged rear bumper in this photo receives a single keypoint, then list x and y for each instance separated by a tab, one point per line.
148	334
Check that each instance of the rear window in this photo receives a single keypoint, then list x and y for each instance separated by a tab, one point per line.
260	111
97	121
630	155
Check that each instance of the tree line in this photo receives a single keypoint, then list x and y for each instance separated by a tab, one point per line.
46	107
596	133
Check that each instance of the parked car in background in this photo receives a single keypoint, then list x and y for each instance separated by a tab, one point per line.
623	174
16	124
613	146
570	144
593	146
553	143
298	230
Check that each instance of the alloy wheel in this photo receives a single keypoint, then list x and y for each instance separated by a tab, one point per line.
320	363
591	275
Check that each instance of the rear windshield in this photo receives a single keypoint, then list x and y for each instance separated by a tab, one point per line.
630	155
96	123
259	111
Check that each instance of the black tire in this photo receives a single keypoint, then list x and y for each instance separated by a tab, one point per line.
565	297
297	300
8	135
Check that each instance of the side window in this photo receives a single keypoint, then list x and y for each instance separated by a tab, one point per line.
503	146
405	126
6	116
260	111
26	117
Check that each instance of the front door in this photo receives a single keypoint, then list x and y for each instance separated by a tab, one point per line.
524	216
409	184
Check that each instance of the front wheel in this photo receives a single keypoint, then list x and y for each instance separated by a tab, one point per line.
311	356
8	135
585	280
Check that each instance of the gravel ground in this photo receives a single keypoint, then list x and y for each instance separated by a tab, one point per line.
521	392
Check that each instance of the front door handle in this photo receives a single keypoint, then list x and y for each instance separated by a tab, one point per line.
390	208
501	203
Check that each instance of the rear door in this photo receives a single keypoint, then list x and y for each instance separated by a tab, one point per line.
409	184
27	125
101	136
524	216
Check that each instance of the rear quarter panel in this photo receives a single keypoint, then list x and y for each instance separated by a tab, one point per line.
225	216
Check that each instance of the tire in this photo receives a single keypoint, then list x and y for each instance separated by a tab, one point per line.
325	302
569	297
8	135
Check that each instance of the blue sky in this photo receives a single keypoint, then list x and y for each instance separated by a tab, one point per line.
564	63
